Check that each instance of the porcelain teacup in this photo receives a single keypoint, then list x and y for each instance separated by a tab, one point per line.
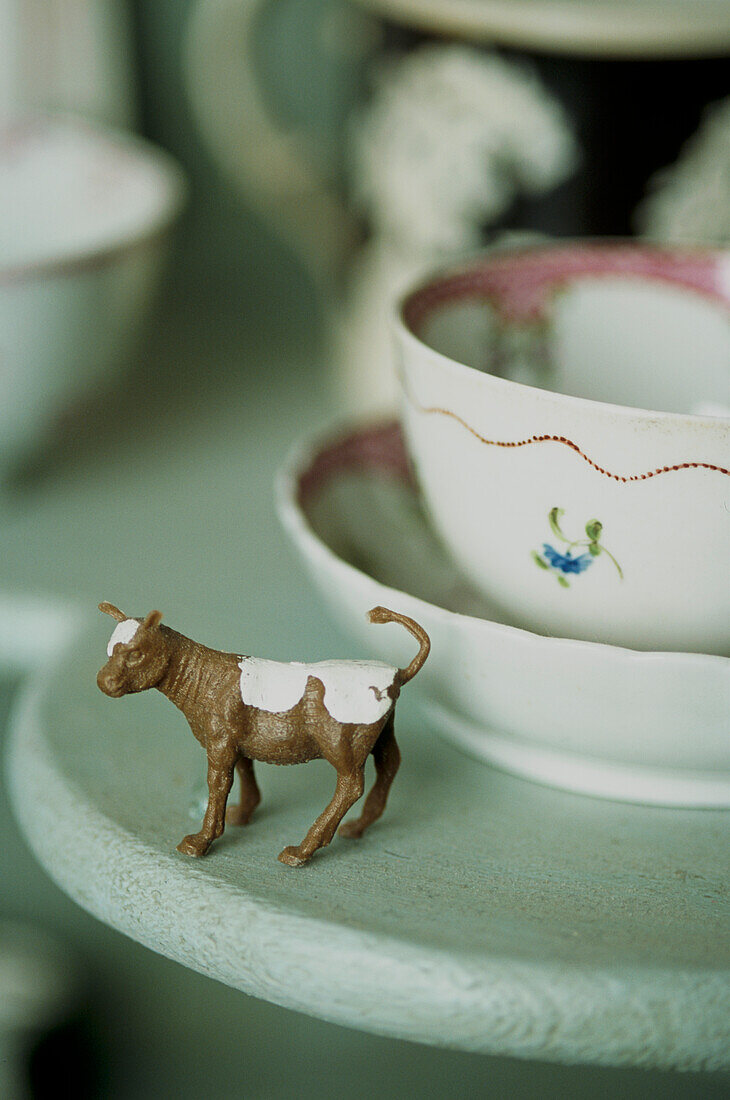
84	215
567	412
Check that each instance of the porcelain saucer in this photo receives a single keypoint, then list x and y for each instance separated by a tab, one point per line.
648	727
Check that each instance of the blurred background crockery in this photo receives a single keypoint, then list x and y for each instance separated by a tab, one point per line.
239	241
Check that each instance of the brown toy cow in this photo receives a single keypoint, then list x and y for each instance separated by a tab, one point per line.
243	709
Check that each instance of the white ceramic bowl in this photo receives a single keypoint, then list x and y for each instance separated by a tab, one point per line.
83	216
598	719
526	375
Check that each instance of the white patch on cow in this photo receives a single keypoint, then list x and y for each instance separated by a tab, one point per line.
124	632
354	691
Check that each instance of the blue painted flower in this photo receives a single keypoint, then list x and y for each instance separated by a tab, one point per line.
566	563
559	564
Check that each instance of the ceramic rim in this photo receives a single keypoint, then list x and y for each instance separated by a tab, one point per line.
172	183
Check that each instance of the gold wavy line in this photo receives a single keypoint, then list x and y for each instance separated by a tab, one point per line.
434	409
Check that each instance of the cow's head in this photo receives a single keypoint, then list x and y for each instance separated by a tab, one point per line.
137	651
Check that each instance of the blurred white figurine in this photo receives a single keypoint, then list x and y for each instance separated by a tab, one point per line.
690	201
451	137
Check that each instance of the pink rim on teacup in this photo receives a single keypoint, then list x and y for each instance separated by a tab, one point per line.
522	294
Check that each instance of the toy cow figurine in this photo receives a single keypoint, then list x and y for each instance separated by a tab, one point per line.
243	709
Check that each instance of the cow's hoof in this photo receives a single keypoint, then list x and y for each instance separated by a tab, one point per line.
194	845
351	829
292	856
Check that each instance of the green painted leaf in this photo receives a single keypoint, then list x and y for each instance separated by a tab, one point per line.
618	567
594	549
562	581
593	529
539	561
553	519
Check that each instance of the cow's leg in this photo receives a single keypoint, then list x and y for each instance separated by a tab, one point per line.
350	786
387	761
250	794
220	780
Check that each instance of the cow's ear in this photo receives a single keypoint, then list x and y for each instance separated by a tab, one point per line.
153	620
110	609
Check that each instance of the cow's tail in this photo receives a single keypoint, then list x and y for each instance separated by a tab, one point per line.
383	615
